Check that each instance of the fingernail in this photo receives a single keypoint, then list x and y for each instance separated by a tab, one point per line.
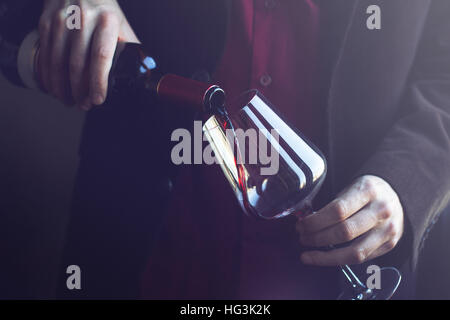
85	107
98	99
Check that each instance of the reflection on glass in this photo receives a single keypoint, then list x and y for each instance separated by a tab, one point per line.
275	171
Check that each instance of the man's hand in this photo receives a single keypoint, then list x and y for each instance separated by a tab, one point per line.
74	65
368	212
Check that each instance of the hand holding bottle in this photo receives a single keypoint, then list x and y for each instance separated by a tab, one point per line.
74	65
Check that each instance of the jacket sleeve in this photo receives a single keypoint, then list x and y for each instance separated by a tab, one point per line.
414	157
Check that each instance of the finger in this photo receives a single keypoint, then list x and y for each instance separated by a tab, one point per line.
45	28
79	64
59	62
85	104
345	205
358	252
127	34
348	230
102	54
393	235
337	211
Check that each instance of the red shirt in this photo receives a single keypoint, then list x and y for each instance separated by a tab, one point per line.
272	47
210	249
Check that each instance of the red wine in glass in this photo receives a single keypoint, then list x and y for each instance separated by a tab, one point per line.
300	171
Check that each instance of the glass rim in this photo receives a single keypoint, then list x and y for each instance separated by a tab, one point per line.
244	98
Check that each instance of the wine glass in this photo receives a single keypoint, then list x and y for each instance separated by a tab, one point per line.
286	181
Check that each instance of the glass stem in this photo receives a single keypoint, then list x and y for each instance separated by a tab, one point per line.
352	278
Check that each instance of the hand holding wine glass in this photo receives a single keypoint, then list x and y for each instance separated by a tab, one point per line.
369	209
369	212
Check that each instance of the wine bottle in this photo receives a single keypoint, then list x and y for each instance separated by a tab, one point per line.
132	69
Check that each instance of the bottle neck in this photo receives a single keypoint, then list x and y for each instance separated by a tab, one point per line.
138	71
204	97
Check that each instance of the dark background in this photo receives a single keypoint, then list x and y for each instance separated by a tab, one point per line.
38	159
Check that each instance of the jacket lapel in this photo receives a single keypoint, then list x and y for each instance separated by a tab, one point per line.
336	19
369	76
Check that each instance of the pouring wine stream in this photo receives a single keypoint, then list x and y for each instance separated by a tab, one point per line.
292	188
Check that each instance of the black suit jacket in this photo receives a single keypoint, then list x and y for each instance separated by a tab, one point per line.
387	99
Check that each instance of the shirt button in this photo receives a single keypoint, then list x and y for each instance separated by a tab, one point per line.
265	80
270	4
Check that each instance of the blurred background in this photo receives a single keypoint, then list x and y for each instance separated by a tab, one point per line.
38	160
